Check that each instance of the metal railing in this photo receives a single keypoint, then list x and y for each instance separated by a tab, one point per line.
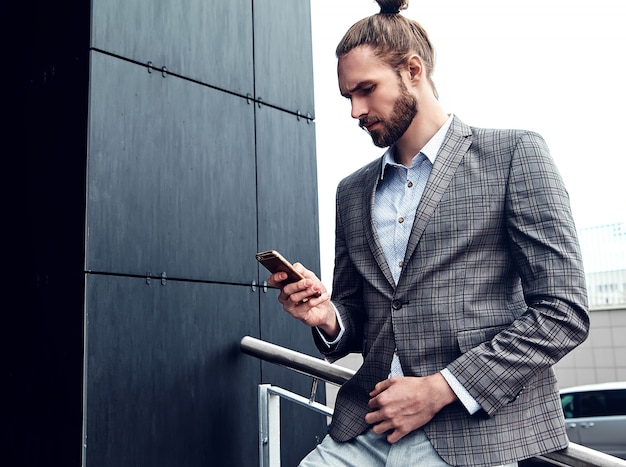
269	406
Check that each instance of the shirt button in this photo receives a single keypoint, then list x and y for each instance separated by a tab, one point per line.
410	184
401	220
401	263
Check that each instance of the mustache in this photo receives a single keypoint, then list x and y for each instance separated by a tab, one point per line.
365	121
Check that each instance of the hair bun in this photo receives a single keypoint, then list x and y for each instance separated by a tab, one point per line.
392	7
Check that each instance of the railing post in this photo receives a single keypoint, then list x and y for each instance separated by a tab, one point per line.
269	427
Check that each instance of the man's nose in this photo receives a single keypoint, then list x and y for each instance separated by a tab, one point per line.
359	109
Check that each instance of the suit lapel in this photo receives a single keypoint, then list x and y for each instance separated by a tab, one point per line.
371	183
448	159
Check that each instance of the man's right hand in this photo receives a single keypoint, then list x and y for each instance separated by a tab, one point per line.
307	300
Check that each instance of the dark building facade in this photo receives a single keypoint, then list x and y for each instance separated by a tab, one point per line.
159	146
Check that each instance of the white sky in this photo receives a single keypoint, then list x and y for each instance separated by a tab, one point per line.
552	66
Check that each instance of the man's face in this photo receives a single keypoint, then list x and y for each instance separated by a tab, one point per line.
379	98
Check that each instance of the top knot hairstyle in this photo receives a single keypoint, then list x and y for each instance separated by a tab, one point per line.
392	7
392	37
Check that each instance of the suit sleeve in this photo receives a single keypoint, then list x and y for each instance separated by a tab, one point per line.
544	249
346	297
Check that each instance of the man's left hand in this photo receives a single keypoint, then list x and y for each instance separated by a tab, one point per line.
402	404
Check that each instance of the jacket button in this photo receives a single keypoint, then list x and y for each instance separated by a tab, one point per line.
396	304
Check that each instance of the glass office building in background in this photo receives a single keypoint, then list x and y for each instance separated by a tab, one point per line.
604	254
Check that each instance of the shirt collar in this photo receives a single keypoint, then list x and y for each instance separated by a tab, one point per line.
430	150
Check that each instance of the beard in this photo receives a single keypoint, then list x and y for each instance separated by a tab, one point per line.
404	111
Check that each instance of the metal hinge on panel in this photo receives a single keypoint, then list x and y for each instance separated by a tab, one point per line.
163	278
254	286
264	286
308	117
148	278
164	71
249	98
149	67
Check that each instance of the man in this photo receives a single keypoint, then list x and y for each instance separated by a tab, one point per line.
458	275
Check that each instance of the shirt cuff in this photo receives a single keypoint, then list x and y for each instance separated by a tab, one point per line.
341	330
470	404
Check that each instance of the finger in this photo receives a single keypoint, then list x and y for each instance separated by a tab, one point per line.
396	435
302	291
373	403
315	300
374	418
310	296
276	279
382	427
381	386
310	275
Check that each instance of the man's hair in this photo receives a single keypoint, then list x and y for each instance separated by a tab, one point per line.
392	37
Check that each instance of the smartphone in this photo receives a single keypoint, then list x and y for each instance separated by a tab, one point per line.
275	262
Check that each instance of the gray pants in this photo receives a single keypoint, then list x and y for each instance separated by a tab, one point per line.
372	450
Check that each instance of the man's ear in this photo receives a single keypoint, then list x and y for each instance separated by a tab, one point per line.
415	67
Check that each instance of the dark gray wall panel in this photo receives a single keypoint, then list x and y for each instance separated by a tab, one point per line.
166	384
159	172
287	187
171	177
209	41
288	222
283	57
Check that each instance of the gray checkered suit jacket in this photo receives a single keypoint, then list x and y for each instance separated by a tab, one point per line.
493	289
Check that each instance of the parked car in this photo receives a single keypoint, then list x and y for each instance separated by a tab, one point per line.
595	416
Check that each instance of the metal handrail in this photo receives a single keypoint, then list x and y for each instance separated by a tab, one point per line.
574	455
297	361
